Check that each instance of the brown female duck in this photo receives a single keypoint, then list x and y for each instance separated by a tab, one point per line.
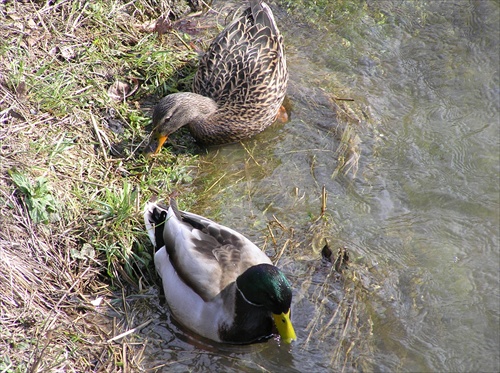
238	88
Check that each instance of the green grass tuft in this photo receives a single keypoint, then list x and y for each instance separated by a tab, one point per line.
73	181
40	203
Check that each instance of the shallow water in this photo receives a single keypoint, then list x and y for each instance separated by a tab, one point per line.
420	218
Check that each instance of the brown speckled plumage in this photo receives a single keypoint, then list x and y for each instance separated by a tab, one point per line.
239	86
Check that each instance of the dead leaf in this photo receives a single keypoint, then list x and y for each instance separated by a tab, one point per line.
21	89
119	91
96	302
63	54
148	26
31	24
163	24
68	53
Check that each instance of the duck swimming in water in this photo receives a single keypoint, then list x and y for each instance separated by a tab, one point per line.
217	283
239	86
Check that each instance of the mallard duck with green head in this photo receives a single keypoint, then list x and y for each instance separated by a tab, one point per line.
217	283
239	86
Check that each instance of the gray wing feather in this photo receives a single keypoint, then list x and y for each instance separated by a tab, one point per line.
207	256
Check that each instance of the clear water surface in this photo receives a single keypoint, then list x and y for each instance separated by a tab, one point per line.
420	217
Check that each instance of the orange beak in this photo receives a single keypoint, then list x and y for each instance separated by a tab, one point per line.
161	141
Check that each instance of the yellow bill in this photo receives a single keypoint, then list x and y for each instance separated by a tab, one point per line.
285	327
161	141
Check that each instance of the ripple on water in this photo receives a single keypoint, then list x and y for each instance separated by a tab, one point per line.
421	217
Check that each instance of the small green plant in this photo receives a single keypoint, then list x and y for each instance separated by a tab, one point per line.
118	204
57	98
119	237
40	203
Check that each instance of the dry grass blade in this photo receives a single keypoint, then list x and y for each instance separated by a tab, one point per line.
70	207
130	331
331	290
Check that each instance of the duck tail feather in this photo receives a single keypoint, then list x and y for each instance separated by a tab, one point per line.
263	15
175	208
154	220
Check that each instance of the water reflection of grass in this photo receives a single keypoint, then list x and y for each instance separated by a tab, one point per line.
330	291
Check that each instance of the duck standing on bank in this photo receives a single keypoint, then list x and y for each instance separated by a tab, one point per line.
217	282
238	88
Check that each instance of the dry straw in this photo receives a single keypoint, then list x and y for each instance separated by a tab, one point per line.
72	252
